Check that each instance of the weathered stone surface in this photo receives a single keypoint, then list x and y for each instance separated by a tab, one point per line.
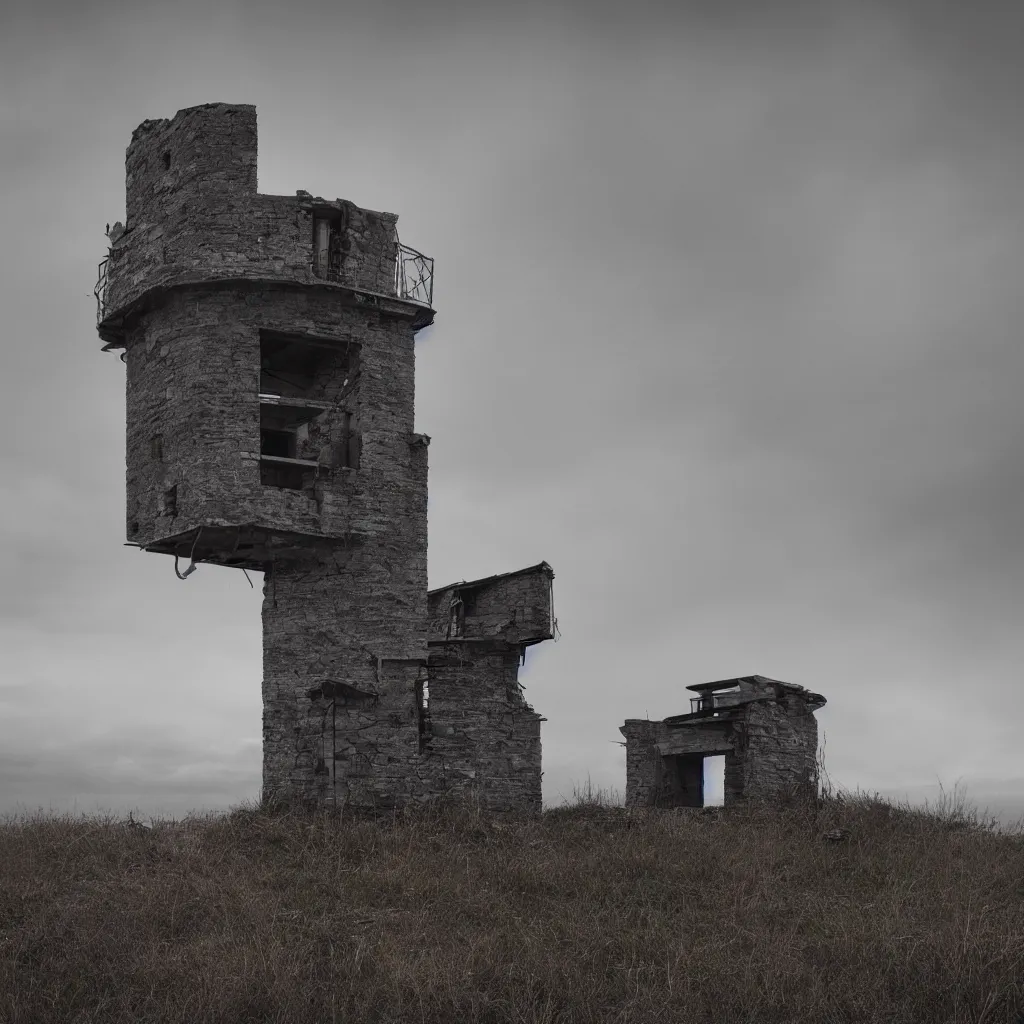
270	396
515	607
193	380
765	728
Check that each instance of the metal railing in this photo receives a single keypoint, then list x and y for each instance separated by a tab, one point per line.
100	291
414	272
414	276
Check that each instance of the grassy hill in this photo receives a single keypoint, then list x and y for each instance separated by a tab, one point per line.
846	910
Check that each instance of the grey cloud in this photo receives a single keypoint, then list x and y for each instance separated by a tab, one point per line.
727	310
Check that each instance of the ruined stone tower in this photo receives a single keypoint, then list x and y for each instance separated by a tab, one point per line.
765	728
270	387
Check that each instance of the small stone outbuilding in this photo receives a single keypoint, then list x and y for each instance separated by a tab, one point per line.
765	728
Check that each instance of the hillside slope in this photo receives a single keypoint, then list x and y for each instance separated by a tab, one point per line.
850	910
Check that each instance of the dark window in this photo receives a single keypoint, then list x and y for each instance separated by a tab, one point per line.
280	443
167	161
303	380
171	501
294	365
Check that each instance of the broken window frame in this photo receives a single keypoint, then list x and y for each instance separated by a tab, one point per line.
295	360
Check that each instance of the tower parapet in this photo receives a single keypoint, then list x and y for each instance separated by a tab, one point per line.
193	215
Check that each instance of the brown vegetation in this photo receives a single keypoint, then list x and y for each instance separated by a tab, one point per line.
846	909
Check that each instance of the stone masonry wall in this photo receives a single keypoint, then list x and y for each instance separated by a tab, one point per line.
353	615
193	380
335	618
780	748
644	765
482	733
514	607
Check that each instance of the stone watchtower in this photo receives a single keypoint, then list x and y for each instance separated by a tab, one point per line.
765	728
270	364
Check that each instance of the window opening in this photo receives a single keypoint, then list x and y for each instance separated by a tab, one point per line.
279	443
711	701
423	711
302	429
293	365
167	161
456	617
327	254
171	501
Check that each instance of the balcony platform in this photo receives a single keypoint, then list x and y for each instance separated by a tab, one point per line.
240	547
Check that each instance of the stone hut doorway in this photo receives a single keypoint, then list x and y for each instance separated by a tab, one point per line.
683	781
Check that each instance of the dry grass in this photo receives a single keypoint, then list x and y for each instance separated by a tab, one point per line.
587	913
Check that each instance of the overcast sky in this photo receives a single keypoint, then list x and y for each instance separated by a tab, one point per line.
728	307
